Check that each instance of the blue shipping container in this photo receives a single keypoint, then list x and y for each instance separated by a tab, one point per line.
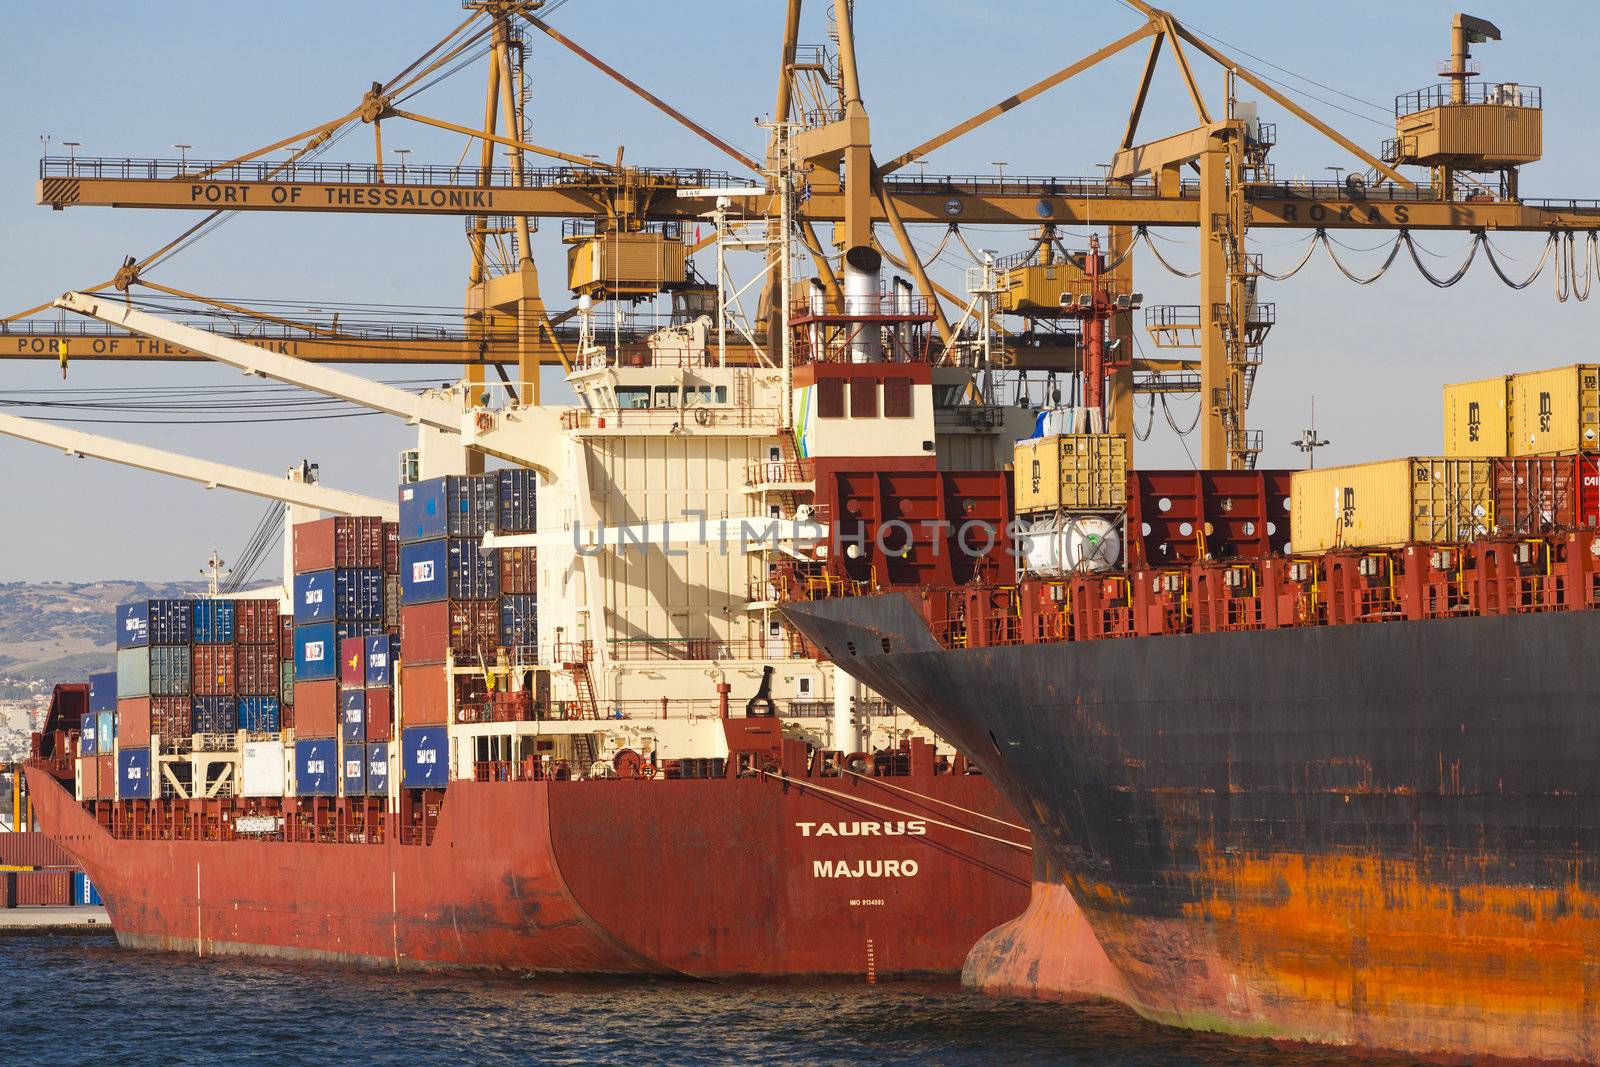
378	769
342	630
358	594
447	569
380	661
425	757
103	691
355	770
171	622
86	732
516	492
458	505
133	624
519	621
215	715
105	730
213	622
260	715
84	894
316	767
313	597
134	780
315	655
171	671
353	715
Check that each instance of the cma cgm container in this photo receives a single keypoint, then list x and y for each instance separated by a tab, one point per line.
457	505
447	569
342	541
1390	503
424	757
134	777
353	662
316	767
1477	417
213	622
1555	411
1542	494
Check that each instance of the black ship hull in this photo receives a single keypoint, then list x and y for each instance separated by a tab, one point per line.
1384	835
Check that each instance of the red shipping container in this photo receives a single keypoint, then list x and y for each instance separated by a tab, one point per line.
391	548
255	622
1543	494
88	780
316	708
52	888
258	669
133	721
353	662
171	716
216	672
380	715
286	716
33	849
424	697
286	637
341	541
519	570
469	628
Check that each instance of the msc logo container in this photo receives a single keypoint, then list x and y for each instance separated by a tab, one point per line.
1392	502
380	660
1477	417
425	757
1556	411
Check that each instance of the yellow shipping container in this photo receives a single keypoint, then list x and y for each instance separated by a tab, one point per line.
628	264
1555	411
1477	417
1391	502
1071	472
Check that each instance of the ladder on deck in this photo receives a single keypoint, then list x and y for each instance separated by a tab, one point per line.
583	681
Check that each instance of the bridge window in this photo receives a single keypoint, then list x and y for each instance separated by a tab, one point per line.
666	396
830	398
633	396
863	398
897	398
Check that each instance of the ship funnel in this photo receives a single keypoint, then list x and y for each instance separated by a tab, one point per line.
863	296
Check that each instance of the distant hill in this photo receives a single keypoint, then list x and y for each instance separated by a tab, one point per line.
53	631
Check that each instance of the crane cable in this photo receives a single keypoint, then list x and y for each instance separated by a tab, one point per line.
255	550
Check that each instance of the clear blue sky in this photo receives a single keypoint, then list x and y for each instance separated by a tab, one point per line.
133	79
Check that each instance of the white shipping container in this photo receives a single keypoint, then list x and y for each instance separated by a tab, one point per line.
262	775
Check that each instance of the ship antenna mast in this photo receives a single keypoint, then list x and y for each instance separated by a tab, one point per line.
216	570
1308	441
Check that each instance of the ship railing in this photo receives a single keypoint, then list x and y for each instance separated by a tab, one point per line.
698	416
369	174
697	648
775	471
572	651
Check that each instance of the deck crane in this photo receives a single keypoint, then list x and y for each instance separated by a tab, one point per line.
1438	129
297	489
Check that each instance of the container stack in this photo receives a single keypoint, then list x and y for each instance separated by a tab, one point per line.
338	594
259	668
1070	490
97	761
460	603
155	687
366	705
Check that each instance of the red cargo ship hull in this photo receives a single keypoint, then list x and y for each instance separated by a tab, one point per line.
713	878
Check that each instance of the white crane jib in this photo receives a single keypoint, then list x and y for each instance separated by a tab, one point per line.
530	437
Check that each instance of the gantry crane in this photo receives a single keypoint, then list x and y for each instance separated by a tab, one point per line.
827	140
